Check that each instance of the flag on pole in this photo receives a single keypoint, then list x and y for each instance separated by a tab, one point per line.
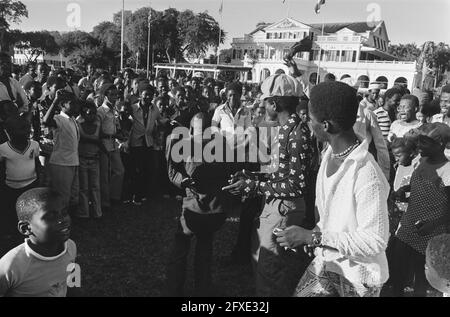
318	5
221	7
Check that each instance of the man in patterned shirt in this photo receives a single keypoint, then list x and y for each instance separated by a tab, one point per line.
279	269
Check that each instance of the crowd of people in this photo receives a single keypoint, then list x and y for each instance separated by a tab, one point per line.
353	194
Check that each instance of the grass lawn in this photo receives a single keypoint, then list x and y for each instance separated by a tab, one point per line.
124	254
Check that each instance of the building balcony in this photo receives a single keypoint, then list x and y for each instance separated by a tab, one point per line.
242	40
336	39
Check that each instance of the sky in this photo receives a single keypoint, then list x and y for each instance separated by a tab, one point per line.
407	21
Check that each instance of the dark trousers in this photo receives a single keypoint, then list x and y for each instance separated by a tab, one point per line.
127	193
144	171
9	235
405	260
203	227
251	209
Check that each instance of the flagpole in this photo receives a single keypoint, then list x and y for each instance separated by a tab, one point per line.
220	33
320	53
148	44
122	35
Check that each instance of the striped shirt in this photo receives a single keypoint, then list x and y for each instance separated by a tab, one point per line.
383	121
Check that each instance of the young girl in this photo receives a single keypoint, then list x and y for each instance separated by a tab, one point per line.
89	154
428	209
21	156
406	160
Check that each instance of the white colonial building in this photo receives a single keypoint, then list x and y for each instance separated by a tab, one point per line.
21	57
357	50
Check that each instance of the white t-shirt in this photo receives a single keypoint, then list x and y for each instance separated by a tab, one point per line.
399	128
20	166
25	273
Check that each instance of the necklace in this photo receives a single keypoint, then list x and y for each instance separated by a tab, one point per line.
346	152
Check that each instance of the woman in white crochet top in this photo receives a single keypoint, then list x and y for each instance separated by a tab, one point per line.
351	199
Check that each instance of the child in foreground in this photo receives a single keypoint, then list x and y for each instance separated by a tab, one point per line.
38	267
437	267
428	214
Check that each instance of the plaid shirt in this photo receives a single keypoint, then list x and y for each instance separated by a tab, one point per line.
294	160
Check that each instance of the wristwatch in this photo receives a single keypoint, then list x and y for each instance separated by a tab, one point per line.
316	240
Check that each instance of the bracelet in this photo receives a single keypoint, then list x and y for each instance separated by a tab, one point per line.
316	240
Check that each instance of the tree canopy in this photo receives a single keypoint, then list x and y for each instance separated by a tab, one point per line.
36	43
11	11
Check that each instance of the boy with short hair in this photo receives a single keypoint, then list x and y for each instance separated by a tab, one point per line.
38	267
22	165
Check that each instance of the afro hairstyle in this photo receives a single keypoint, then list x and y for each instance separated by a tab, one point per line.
335	102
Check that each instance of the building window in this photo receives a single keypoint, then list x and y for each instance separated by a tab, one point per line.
272	53
315	55
354	57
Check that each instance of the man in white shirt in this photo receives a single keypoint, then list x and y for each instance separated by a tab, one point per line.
231	114
444	116
370	102
10	88
351	199
29	76
87	83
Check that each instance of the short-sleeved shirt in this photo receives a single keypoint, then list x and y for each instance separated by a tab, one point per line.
89	150
66	139
228	122
86	83
109	125
399	128
20	165
25	273
428	201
